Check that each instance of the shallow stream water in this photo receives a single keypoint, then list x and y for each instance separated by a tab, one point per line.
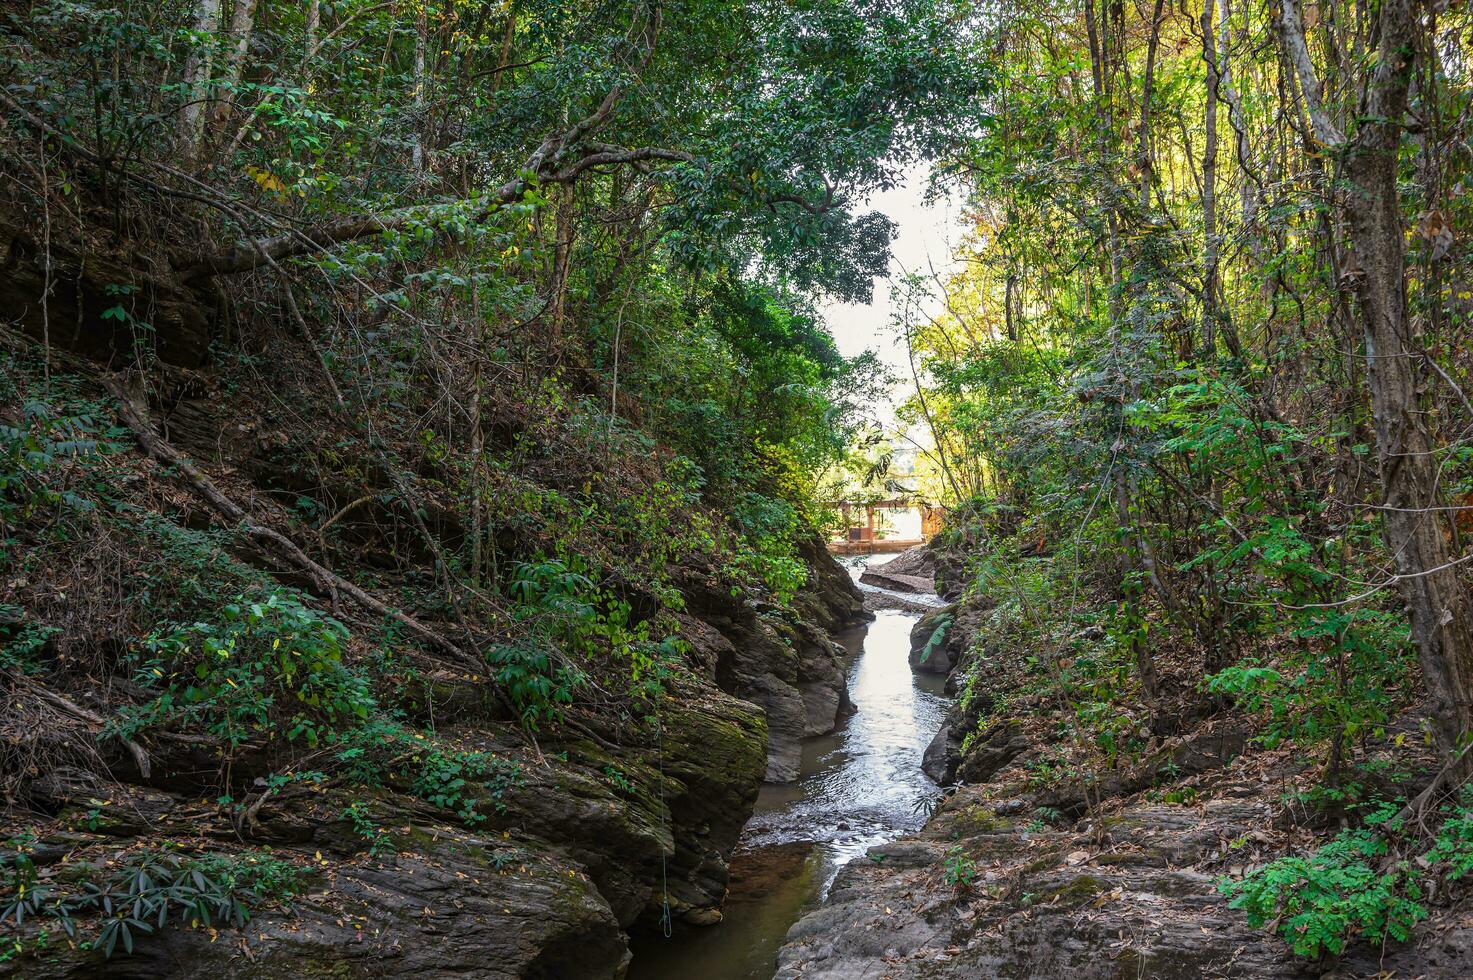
859	786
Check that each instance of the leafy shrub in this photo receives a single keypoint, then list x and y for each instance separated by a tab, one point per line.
765	553
960	870
35	452
269	667
1452	849
1322	903
149	892
572	624
1341	683
21	641
443	777
459	780
364	826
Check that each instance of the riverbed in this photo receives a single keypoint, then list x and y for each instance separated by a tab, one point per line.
859	786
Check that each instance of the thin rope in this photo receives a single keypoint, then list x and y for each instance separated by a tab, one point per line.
665	923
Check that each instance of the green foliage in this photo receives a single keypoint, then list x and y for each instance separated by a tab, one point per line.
960	870
1352	788
379	841
1348	677
765	554
938	635
444	778
49	458
21	642
621	781
180	573
1452	848
269	667
463	781
1336	896
570	622
150	891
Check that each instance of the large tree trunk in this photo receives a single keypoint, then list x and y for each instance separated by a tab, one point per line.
242	25
1436	601
1210	244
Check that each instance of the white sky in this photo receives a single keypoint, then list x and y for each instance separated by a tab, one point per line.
926	238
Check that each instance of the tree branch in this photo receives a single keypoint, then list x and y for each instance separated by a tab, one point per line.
283	546
1291	29
548	164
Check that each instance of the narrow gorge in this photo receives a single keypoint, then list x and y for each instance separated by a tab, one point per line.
802	489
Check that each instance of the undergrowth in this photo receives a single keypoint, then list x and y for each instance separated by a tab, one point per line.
1362	886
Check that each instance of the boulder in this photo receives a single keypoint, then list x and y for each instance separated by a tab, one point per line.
941	758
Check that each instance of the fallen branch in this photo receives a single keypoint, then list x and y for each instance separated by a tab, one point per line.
284	547
322	531
1453	773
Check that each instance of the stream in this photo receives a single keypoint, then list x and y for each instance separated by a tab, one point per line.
859	786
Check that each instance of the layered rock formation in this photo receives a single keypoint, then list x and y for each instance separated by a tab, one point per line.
788	664
594	837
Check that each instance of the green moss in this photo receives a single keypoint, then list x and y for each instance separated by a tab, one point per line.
1076	892
983	819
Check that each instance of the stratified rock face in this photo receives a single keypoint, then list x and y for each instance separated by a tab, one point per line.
664	830
830	600
795	673
910	571
80	285
714	759
545	888
450	902
786	663
598	835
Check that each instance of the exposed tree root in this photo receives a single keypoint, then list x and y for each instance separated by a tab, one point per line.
140	756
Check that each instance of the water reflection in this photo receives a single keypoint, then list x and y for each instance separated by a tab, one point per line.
860	786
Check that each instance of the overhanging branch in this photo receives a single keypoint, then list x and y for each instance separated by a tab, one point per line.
559	159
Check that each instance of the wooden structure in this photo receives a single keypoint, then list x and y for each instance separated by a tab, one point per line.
864	538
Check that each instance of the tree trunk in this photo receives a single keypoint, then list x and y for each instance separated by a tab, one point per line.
1436	601
314	21
1210	244
421	42
242	23
197	70
1147	163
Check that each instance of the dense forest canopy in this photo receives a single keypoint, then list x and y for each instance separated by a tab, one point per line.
435	191
1213	309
